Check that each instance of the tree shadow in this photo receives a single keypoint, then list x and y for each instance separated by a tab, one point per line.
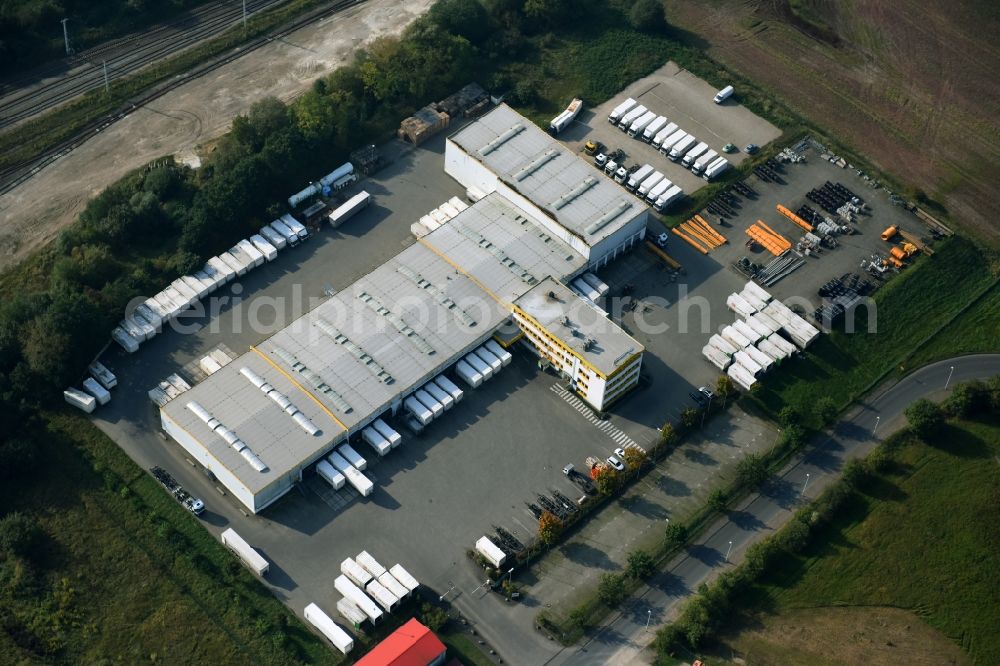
587	555
700	457
746	521
880	488
783	492
673	487
702	553
958	442
641	506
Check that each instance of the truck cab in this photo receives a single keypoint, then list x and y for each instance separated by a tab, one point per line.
620	175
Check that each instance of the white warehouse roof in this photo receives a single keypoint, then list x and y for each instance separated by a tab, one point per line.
566	188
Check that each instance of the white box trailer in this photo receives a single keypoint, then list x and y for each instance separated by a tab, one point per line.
150	315
358	597
376	441
747	331
672	140
357	573
390	583
774	351
653	128
479	366
443	397
468	374
127	342
210	281
682	147
250	557
740	375
448	210
248	248
657	190
743	358
80	400
326	626
723	345
447	385
103	375
350	612
584	289
297	227
199	288
233	263
718	359
353	457
663	135
418	411
370	564
474	194
631	116
651	181
290	236
349	208
760	358
759	327
329	473
641	123
714	169
382	596
505	356
264	246
730	334
621	110
223	268
636	178
273	237
491	552
158	307
668	197
425	399
756	289
91	386
694	154
186	294
783	344
739	305
702	162
767	321
404	577
495	363
458	204
391	436
359	481
753	299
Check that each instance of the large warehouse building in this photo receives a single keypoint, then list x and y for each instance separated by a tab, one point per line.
259	422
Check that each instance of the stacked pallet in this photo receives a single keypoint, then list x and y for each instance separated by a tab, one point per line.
768	238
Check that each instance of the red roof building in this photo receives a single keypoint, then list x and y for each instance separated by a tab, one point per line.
413	644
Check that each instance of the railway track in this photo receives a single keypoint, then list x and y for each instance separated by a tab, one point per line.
12	176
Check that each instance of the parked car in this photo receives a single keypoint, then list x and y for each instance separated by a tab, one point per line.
616	463
662	240
751	148
707	392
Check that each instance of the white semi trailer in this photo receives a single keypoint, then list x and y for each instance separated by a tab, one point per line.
353	457
375	440
621	110
358	597
326	626
329	473
359	481
249	556
390	435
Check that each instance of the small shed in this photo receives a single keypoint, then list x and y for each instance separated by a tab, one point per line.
423	124
468	101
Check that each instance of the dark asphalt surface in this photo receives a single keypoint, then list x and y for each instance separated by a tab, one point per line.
623	638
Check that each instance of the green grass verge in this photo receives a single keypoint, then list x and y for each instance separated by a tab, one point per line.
972	331
911	311
127	575
914	538
462	646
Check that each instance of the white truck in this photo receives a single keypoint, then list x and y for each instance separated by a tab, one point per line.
390	435
714	169
353	457
249	556
626	120
649	183
658	190
326	626
329	473
641	123
723	95
375	440
668	197
653	128
297	227
349	208
661	135
699	165
638	176
621	110
682	147
694	154
446	384
672	140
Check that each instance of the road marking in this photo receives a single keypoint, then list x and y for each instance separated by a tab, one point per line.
617	435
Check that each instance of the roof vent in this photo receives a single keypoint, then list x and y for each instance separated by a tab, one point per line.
606	218
516	129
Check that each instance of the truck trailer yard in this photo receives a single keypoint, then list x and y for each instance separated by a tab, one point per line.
479	462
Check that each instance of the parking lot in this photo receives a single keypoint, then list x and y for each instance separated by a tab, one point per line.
685	100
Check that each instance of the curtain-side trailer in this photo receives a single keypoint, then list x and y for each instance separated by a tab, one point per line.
358	597
404	577
443	397
391	436
505	356
353	457
468	374
326	626
357	573
329	473
375	440
250	557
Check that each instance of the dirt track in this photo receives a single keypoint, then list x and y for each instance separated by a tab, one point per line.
912	87
32	214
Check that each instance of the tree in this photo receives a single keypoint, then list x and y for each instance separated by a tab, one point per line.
788	416
993	391
611	589
465	18
547	13
689	417
433	617
752	470
668	435
549	528
826	409
606	479
855	473
724	386
19	535
635	458
718	499
647	16
640	565
925	418
676	534
967	398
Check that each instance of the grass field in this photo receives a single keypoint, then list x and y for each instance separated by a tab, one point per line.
911	309
127	575
920	538
972	331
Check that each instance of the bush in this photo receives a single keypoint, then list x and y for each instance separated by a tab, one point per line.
718	499
676	534
967	399
20	535
925	418
724	386
647	15
789	416
611	589
640	565
606	479
689	418
433	617
826	410
752	470
855	473
794	536
549	528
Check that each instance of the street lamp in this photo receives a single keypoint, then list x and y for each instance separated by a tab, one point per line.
877	419
730	550
950	373
805	485
649	616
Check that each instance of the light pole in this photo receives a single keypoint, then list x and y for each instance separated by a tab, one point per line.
730	550
950	373
705	412
649	616
805	485
877	419
66	37
244	16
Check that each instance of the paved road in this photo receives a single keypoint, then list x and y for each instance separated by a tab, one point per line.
623	638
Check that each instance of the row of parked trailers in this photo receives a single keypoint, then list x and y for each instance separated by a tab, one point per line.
671	141
370	590
96	389
148	318
440	215
750	346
